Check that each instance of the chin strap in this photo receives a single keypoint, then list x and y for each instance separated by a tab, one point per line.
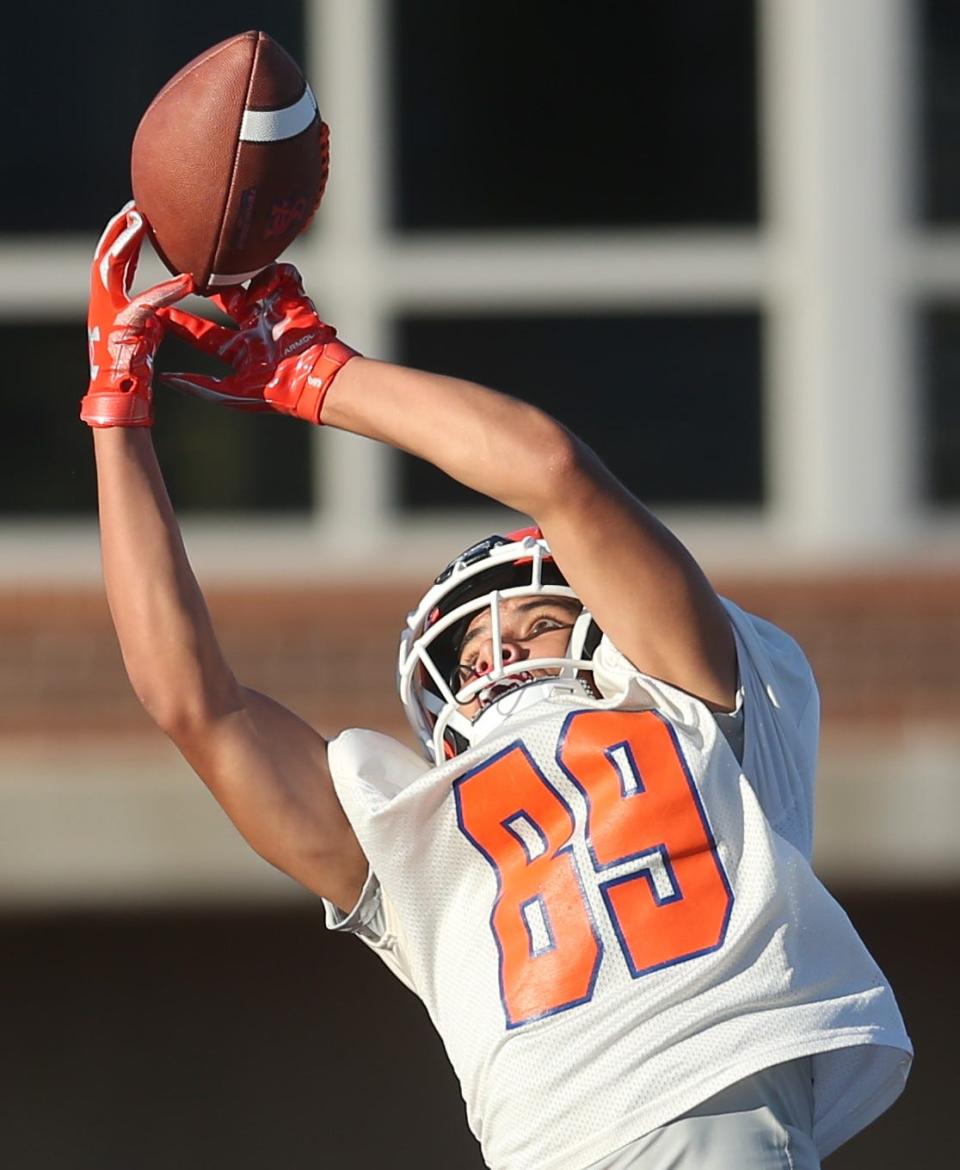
521	698
460	733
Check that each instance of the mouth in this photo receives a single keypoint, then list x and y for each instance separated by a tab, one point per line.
501	687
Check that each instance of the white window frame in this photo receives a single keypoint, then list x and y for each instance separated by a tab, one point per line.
837	268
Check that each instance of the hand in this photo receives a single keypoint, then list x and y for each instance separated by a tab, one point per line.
123	333
284	357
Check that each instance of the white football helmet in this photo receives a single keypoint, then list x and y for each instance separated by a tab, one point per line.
519	564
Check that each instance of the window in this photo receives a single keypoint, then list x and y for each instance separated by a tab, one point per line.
670	402
509	115
939	101
940	332
87	88
214	459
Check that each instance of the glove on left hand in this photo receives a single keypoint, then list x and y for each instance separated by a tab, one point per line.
123	333
284	357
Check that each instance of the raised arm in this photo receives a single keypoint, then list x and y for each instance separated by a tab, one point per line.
643	587
266	767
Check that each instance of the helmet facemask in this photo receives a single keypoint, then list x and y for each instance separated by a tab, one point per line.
493	571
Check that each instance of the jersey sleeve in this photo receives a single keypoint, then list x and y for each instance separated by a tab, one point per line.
374	922
781	707
368	771
774	730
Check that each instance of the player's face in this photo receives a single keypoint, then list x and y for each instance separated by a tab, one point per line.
530	627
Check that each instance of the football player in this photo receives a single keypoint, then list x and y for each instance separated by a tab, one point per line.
598	881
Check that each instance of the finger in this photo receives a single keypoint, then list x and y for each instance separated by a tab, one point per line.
144	307
267	284
232	301
263	283
115	226
137	227
290	275
206	335
213	390
199	385
105	265
119	260
168	292
238	302
274	293
287	281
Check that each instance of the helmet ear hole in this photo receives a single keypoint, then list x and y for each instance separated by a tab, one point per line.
453	743
592	640
584	636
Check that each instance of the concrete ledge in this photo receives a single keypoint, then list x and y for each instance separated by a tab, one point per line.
128	824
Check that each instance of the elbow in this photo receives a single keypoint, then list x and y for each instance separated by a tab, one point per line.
168	711
563	464
176	719
563	453
184	713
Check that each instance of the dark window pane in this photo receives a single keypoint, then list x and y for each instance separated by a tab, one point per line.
83	89
214	459
671	403
939	81
516	115
941	367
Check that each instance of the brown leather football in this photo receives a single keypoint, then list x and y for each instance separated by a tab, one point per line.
230	160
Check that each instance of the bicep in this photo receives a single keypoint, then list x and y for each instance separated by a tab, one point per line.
268	770
645	590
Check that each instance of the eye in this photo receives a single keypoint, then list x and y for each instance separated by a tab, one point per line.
545	624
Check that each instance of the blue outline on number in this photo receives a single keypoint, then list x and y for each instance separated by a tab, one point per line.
535	951
646	873
661	848
518	744
608	752
598	867
508	825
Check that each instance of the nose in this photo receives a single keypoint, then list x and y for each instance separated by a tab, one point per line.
512	652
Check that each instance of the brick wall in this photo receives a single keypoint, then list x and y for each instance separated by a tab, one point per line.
886	649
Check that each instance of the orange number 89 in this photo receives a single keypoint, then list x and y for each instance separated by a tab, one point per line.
653	859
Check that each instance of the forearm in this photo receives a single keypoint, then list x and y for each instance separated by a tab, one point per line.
495	444
165	633
642	586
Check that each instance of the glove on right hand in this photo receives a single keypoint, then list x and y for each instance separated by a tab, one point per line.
123	334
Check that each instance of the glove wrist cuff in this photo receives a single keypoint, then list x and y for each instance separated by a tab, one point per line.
328	362
115	408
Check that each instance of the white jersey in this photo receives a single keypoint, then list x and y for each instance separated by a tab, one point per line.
610	919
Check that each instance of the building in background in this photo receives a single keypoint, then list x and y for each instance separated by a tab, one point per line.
717	238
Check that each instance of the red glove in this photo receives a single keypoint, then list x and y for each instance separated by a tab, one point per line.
123	333
283	355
